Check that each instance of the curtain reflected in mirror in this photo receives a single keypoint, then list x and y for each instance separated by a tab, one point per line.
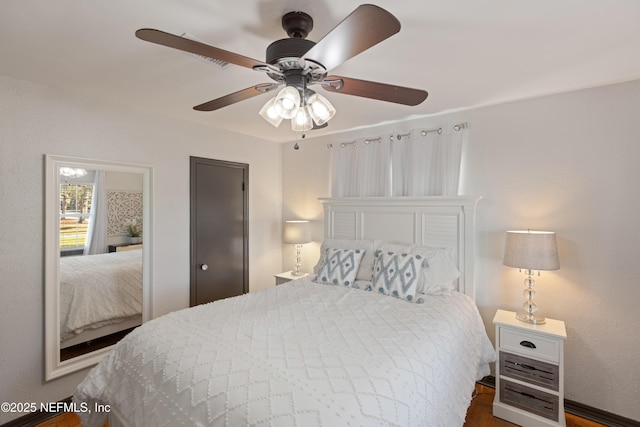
97	258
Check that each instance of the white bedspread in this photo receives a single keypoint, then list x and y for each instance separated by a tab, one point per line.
300	354
97	290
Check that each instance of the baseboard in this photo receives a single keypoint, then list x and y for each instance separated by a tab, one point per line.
598	415
34	418
488	381
580	410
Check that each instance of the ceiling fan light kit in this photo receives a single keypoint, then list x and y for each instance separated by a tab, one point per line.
297	63
304	109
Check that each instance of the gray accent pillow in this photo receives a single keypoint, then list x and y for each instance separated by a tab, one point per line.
365	269
397	274
340	266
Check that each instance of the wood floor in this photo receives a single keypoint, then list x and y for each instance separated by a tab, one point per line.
68	419
478	415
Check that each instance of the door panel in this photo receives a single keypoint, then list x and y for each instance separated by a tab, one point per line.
219	235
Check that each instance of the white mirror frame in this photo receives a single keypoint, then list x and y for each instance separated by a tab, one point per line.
54	368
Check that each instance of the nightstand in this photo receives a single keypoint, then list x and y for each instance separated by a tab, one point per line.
287	276
529	371
125	247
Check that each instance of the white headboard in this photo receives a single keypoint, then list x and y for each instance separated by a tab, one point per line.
435	221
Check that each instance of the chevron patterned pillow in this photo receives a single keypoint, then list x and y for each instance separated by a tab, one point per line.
340	266
397	274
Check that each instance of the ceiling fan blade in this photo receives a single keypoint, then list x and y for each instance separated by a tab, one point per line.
374	90
232	98
365	27
192	46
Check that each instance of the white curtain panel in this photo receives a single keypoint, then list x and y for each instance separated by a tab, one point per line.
399	167
362	168
343	164
96	242
427	165
373	167
414	165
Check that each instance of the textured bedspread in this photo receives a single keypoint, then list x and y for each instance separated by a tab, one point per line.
97	290
300	354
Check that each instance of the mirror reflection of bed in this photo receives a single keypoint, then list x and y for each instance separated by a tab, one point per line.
100	271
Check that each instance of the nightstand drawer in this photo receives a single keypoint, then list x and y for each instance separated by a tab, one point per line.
529	399
530	371
527	344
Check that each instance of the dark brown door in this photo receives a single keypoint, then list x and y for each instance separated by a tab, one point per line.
219	230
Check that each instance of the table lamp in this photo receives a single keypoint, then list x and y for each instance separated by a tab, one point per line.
298	233
531	250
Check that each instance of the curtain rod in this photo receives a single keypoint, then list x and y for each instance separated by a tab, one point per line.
366	141
424	132
344	144
457	127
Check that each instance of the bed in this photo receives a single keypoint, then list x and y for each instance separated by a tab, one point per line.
329	349
99	295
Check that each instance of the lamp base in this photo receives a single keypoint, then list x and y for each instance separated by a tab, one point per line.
296	271
529	318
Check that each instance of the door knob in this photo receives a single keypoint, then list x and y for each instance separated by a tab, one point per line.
204	267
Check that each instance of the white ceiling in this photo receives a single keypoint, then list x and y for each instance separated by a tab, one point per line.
465	53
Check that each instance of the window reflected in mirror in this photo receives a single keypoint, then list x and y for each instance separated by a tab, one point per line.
76	191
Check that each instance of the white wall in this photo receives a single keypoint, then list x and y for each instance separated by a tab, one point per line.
36	120
566	163
122	181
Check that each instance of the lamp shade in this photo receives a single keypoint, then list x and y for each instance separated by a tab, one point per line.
297	232
320	109
287	102
302	121
269	113
532	250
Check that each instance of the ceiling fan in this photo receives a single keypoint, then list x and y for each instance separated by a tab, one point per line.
299	63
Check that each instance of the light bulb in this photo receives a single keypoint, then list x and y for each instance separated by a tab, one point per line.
287	102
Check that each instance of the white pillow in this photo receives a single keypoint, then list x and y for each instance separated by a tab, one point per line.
439	273
340	266
365	270
397	274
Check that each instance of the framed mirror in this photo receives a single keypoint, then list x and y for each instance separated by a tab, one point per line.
98	243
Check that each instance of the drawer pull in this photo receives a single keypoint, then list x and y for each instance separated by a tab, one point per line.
531	368
528	344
